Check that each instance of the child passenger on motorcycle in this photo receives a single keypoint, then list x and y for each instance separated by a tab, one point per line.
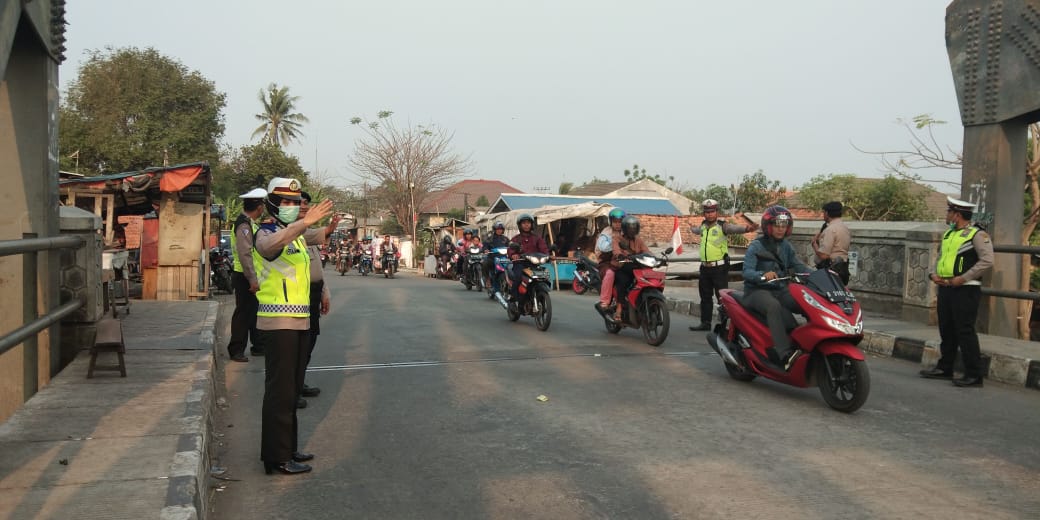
605	248
468	240
628	244
524	242
772	299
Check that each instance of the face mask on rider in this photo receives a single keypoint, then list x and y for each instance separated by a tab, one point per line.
288	214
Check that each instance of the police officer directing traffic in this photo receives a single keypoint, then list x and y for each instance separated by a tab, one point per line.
714	272
965	254
283	318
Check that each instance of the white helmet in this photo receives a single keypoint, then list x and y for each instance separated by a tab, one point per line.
709	204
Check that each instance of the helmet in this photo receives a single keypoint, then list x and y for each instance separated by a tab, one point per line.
616	214
467	231
447	239
499	225
709	205
774	214
523	217
630	226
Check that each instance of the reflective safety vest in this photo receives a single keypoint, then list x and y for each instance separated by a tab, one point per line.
285	282
957	254
242	219
714	245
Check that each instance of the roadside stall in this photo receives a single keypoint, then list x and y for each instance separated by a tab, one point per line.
573	226
170	208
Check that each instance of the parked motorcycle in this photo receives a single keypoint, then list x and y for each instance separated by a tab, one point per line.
365	264
533	289
499	266
472	271
644	306
389	263
829	339
220	267
586	275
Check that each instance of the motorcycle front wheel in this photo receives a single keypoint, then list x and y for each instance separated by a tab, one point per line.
544	317
655	322
849	387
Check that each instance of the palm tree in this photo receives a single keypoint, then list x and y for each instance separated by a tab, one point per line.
280	125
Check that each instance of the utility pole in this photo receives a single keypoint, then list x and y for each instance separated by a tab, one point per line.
465	207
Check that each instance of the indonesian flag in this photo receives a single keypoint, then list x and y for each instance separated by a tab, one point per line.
676	237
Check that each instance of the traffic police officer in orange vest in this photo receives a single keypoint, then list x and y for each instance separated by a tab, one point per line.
714	272
965	254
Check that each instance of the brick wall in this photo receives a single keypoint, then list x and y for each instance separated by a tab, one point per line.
656	230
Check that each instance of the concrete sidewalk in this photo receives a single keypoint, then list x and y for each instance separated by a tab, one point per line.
1011	361
113	447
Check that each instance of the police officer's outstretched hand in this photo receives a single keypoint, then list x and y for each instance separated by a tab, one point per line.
318	212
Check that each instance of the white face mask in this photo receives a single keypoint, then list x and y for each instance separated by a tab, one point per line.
288	214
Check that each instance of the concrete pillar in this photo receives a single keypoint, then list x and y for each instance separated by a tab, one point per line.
80	277
992	176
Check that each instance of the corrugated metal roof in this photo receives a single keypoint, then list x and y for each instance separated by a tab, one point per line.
636	205
597	189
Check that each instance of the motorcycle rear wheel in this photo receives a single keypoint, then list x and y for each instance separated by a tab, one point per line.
544	317
577	286
656	322
851	384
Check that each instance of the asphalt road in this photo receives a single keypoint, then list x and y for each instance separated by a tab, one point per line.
428	410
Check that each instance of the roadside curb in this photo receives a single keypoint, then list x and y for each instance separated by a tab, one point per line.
998	364
189	470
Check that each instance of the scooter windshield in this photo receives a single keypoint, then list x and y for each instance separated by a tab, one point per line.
828	285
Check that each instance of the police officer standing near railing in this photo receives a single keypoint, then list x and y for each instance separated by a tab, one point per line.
831	245
965	254
714	271
243	277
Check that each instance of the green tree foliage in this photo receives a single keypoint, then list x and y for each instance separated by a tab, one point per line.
890	199
755	193
713	191
565	188
391	226
638	174
482	201
280	125
130	109
253	166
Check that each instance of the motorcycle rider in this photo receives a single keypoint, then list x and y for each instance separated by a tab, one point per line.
714	270
629	243
495	240
772	299
605	248
388	246
461	247
524	242
445	251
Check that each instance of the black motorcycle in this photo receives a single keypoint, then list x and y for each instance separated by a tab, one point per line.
473	270
534	292
389	263
220	267
365	264
586	275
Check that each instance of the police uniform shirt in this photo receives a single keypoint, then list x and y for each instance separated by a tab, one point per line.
984	248
836	240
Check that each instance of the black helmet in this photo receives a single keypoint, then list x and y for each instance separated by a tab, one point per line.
499	225
630	226
523	217
467	231
774	214
447	239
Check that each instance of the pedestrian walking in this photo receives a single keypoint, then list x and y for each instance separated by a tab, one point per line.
831	244
714	271
243	277
320	298
965	254
283	318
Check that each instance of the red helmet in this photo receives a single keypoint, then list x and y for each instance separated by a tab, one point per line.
774	214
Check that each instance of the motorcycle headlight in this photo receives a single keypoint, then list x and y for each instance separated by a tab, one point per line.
648	261
843	326
536	259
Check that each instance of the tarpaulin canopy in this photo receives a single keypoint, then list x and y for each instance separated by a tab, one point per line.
546	214
171	179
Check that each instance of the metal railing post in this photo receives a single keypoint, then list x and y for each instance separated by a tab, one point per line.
30	348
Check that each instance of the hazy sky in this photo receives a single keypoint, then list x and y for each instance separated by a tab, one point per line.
538	92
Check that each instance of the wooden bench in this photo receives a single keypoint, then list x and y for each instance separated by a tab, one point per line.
109	338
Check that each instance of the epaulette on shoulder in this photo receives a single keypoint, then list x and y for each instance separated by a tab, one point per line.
269	226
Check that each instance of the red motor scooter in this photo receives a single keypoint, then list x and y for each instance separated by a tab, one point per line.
828	339
644	305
